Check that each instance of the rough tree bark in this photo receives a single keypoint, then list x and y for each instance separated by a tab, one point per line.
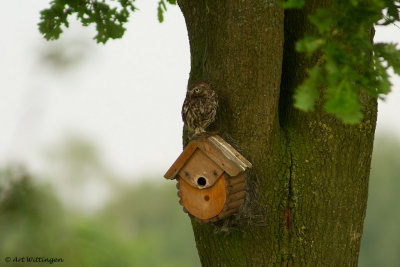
307	191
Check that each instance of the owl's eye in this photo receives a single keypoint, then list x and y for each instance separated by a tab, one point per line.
197	90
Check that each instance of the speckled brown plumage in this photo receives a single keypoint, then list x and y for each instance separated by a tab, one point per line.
199	108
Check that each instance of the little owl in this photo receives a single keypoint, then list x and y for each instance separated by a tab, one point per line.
199	108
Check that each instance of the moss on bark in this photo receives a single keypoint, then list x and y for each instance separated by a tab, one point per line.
307	190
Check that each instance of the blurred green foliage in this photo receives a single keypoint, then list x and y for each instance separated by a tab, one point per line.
381	239
143	225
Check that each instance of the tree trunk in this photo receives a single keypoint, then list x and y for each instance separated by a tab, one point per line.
307	191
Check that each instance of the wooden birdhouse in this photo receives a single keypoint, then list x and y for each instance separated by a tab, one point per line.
211	178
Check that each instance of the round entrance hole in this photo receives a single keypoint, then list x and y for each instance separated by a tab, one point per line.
206	198
201	181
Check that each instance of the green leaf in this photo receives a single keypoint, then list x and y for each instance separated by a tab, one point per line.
108	20
323	19
309	44
347	58
343	102
52	19
293	4
390	54
307	93
382	83
160	10
392	10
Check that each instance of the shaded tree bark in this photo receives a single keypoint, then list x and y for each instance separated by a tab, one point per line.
307	191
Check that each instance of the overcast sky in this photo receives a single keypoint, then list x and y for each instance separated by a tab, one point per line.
124	96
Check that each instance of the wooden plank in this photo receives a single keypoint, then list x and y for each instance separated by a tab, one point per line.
199	166
233	150
237	179
226	213
224	155
235	204
203	203
218	150
236	188
219	158
181	160
237	196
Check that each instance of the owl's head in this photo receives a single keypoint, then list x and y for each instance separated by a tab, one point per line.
198	89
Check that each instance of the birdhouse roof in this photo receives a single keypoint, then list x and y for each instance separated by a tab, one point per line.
218	150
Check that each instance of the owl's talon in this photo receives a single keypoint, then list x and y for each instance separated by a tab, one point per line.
213	133
199	135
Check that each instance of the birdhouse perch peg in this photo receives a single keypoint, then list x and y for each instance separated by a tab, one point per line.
211	178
